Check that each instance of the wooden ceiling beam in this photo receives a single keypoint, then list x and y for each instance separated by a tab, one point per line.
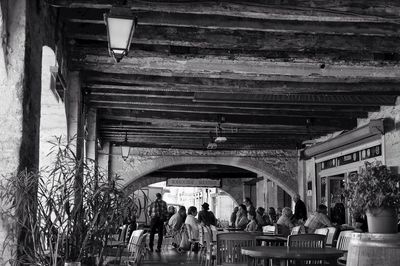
228	21
223	110
237	98
309	99
98	82
193	124
194	146
345	9
341	123
242	39
291	72
243	106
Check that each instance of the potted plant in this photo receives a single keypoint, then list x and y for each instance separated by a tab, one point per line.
51	225
375	191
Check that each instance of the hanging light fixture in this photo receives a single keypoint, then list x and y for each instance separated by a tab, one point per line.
125	148
218	135
121	25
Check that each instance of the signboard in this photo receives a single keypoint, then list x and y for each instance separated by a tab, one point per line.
193	182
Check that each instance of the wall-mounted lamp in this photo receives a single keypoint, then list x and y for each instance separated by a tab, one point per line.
125	148
121	25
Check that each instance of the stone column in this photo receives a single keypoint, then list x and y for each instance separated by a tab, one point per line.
104	158
74	104
91	136
20	86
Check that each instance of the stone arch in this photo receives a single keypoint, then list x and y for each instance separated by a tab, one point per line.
281	171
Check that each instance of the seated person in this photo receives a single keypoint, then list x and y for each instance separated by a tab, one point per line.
241	217
319	219
285	222
252	226
206	216
193	223
176	221
262	218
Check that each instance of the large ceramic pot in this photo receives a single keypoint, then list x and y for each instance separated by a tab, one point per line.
72	264
382	220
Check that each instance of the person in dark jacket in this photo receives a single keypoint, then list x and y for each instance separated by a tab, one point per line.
206	216
300	210
158	213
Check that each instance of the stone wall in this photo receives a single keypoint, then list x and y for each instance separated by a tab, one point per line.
12	44
277	165
391	115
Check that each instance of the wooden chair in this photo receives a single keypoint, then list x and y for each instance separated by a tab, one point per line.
228	249
331	236
115	250
296	230
269	229
343	244
136	251
208	255
307	241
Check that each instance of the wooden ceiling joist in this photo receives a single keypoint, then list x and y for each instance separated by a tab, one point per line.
274	73
242	39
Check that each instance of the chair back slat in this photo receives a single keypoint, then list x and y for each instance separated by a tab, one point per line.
307	241
134	240
296	230
229	247
344	240
331	235
214	232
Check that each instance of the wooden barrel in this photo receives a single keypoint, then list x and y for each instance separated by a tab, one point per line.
374	249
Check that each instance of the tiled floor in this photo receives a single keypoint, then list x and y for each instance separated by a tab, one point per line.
171	257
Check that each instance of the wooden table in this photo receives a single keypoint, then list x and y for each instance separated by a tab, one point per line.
291	253
271	240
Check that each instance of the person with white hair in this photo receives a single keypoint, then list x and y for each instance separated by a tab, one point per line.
284	222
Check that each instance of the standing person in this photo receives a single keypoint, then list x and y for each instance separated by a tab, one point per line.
318	219
206	216
233	216
158	213
300	210
249	205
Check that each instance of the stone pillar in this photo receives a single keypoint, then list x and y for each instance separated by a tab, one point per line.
91	137
103	158
75	121
74	106
20	86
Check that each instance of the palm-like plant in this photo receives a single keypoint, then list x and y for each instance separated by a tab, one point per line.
57	228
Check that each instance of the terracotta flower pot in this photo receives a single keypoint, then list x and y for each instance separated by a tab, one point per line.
382	220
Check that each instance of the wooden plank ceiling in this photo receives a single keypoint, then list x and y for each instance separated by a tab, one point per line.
274	73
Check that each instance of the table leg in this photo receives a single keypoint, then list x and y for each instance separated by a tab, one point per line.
250	261
332	262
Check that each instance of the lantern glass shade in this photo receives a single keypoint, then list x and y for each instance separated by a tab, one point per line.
120	28
125	150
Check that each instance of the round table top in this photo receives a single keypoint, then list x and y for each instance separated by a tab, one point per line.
291	252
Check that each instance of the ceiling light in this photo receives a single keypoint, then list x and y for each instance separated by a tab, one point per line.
125	148
121	25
